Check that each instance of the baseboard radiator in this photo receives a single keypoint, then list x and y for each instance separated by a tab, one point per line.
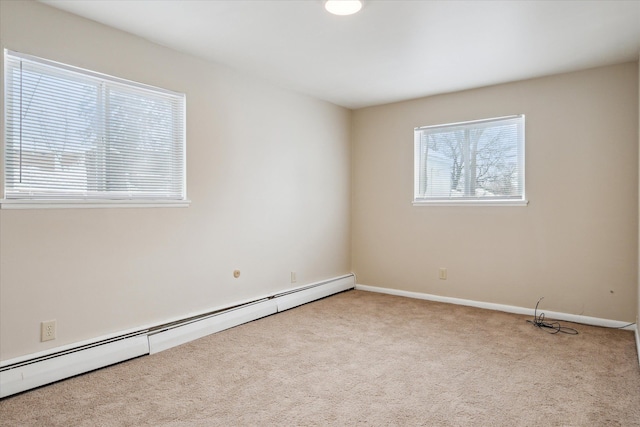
20	375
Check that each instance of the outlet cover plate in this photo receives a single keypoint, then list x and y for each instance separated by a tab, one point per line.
48	330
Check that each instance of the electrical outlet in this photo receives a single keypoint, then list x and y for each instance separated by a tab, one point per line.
443	274
48	330
293	277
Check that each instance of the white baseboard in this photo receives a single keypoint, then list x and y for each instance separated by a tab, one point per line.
30	371
574	318
28	376
638	342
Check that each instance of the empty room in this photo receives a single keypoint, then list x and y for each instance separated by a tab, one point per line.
309	212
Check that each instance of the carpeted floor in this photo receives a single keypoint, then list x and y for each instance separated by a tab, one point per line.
359	358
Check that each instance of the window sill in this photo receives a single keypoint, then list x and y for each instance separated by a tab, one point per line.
471	203
91	204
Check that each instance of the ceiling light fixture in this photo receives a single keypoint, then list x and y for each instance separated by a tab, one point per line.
343	7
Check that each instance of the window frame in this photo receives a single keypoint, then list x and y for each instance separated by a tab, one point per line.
95	201
462	201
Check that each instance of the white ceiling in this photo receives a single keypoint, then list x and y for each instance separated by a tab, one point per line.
392	50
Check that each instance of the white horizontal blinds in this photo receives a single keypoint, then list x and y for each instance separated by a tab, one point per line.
481	160
142	127
75	135
51	127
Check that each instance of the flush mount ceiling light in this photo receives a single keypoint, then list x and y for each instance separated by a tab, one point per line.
343	7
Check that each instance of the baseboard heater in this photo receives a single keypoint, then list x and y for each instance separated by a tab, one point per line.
183	333
45	370
20	375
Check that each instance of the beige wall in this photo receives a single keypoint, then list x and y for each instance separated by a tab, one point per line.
576	243
268	174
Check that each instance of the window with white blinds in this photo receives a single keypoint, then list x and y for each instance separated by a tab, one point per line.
75	135
471	162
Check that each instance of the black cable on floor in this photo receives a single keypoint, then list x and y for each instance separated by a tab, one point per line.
550	327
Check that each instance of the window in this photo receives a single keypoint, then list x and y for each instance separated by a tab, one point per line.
75	136
478	162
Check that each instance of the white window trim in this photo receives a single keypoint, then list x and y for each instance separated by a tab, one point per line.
91	204
471	203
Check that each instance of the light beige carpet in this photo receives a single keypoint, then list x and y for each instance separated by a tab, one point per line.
359	358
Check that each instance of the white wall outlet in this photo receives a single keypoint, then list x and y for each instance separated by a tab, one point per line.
442	273
48	330
294	279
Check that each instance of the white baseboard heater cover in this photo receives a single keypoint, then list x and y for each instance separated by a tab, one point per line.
159	341
32	373
210	325
313	292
